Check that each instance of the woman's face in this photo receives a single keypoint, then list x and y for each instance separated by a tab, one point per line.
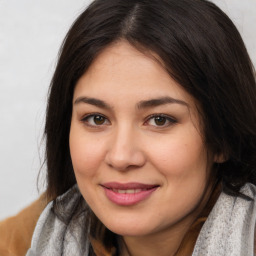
135	143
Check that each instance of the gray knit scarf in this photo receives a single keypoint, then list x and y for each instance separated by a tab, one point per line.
228	231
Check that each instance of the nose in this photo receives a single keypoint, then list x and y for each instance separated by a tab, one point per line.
125	150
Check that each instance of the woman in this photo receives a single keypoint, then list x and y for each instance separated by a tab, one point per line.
150	131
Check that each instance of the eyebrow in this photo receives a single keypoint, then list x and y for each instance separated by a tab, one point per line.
92	101
160	101
142	104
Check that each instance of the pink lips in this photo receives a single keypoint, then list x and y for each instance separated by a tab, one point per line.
128	193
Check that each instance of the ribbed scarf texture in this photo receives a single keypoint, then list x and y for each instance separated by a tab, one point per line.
228	230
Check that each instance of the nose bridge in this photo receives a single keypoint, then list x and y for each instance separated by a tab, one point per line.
124	149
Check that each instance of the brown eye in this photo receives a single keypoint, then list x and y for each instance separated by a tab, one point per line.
99	120
160	120
95	120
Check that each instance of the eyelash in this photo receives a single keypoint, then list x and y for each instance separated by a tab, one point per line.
166	118
93	115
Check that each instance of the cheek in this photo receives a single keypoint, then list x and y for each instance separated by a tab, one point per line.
182	155
86	153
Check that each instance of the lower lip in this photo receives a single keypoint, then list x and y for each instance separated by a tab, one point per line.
128	199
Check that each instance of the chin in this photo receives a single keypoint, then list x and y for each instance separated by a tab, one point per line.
128	229
129	232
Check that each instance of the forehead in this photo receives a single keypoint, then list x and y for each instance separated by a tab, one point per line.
123	71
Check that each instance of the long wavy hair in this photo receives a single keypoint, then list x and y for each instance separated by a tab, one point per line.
200	48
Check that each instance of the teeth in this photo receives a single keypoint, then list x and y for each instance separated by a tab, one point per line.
127	191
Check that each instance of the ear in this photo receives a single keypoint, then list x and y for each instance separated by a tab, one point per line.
219	158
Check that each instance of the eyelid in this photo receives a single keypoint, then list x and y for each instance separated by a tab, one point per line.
170	119
87	116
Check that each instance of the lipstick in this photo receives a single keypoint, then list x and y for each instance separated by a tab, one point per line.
127	194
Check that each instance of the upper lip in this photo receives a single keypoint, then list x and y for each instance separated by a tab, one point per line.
129	185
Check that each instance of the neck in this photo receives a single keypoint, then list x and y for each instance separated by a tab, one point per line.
163	244
166	243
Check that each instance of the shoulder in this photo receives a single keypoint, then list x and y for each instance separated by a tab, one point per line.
250	190
230	226
62	227
16	232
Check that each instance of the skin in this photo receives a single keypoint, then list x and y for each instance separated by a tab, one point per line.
126	144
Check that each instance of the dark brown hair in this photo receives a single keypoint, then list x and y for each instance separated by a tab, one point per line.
200	48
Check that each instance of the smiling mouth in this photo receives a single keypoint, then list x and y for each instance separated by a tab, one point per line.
129	193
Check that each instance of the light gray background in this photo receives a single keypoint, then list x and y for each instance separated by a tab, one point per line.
31	32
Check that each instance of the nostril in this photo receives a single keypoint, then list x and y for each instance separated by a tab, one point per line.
124	153
126	163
